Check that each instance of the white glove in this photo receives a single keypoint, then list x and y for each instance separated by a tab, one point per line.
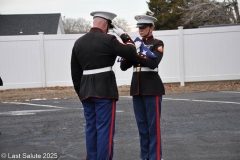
119	59
117	30
138	45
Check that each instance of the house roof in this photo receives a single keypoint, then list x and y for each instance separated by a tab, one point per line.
29	24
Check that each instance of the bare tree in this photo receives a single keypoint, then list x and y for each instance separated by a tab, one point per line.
206	12
83	26
233	4
79	25
122	23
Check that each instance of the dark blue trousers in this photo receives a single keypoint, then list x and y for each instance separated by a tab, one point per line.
100	127
147	111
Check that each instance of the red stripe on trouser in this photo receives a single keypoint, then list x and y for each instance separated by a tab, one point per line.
158	129
111	130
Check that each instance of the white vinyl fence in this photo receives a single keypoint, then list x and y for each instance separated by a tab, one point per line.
190	55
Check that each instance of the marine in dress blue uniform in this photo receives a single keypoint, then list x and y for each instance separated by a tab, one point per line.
147	90
93	56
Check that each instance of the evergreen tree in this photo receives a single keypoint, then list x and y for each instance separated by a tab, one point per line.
167	12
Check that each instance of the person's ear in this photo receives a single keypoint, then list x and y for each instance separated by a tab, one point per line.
106	23
105	26
152	28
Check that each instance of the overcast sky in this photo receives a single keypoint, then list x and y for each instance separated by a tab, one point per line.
126	9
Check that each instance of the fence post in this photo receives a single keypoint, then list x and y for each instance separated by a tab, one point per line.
181	56
42	59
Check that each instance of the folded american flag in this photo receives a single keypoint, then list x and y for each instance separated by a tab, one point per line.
144	49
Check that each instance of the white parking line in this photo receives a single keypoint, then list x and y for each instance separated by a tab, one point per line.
31	104
195	100
30	112
206	101
118	111
126	96
26	112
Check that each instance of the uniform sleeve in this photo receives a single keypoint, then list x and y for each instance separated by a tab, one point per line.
157	49
127	51
76	72
125	64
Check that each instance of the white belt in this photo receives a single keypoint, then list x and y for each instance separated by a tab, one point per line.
144	69
95	71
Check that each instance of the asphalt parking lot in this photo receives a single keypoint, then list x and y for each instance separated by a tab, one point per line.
196	126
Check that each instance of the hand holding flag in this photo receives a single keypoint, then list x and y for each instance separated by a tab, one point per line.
143	48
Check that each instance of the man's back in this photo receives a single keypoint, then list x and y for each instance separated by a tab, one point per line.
96	50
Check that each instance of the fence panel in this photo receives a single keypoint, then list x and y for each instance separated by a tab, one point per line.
19	62
212	54
205	54
58	50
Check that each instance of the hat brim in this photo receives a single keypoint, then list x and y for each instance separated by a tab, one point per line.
144	24
103	14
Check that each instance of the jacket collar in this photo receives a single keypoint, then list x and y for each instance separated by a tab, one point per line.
147	39
95	29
